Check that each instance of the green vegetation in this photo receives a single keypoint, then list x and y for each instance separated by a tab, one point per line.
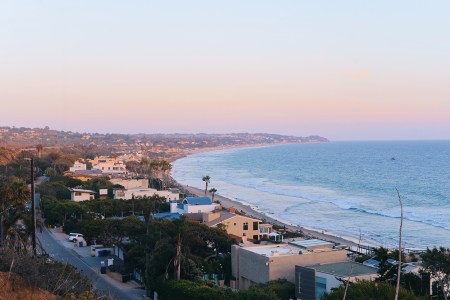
183	289
42	273
370	290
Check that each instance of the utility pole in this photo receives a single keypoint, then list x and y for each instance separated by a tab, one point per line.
33	209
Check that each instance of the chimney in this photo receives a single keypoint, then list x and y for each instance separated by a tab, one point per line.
232	210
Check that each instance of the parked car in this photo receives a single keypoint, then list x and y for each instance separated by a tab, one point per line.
73	237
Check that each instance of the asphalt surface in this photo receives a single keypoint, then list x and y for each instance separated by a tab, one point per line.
100	282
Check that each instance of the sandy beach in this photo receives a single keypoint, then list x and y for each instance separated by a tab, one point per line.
228	203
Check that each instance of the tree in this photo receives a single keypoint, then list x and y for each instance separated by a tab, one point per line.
13	196
370	290
213	192
206	179
39	148
437	262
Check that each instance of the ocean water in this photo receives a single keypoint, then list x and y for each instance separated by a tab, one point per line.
344	188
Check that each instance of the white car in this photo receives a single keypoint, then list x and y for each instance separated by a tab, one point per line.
73	237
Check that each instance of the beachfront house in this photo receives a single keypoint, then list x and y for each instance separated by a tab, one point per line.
252	264
191	205
78	195
236	225
312	282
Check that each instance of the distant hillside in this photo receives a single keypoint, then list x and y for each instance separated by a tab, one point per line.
29	137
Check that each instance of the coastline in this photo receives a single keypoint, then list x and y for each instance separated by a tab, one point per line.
228	202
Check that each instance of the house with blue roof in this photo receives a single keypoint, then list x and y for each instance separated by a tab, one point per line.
193	205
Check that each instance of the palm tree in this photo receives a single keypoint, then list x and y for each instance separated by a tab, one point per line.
206	179
39	148
213	192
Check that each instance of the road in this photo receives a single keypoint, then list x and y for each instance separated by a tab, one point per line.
102	283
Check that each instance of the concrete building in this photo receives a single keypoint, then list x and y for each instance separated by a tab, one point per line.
128	194
313	281
130	183
78	166
253	264
236	225
193	205
78	195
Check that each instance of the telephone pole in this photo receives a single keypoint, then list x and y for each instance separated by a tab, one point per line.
33	209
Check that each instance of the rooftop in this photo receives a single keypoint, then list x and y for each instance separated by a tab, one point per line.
82	191
274	250
197	200
167	216
224	215
344	269
312	244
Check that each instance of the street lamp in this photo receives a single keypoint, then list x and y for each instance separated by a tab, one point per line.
33	206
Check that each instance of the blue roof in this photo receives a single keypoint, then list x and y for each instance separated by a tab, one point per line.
167	216
197	200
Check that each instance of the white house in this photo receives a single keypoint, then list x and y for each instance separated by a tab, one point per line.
128	194
78	195
193	205
78	166
108	165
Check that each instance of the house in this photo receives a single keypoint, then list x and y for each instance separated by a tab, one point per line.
313	281
78	195
234	224
253	264
130	183
108	165
78	166
193	205
128	194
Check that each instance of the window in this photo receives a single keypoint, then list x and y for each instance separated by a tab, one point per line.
255	237
234	224
245	226
77	194
255	225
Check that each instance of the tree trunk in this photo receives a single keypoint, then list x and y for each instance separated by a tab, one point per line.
399	271
2	229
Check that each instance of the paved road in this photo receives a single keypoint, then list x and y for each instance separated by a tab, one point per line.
101	282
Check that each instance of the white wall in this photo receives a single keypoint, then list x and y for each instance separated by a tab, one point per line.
82	197
188	208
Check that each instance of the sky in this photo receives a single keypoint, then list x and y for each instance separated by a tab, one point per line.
346	70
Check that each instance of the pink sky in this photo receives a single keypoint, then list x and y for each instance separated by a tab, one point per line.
291	69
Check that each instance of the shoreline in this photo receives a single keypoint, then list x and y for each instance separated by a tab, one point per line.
307	231
227	202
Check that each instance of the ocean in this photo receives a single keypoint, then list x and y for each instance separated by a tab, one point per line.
344	188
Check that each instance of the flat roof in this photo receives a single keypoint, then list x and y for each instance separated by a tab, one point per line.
313	243
344	269
274	250
83	191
